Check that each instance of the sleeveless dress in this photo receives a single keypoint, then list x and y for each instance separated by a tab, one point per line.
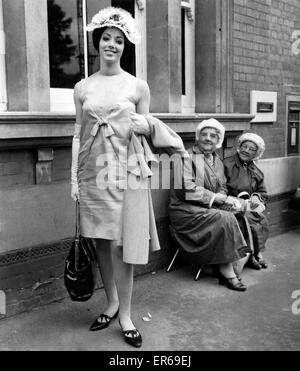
107	102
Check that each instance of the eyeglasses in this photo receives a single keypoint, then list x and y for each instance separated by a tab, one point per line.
248	149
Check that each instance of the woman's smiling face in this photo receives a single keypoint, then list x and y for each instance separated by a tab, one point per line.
112	45
208	140
247	151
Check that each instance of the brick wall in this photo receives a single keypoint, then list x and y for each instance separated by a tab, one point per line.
263	60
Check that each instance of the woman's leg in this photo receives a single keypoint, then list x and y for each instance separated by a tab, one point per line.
106	267
124	280
228	272
239	265
229	279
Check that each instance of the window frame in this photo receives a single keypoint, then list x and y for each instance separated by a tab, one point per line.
189	98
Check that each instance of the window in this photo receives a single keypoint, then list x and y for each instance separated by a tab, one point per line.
71	52
188	55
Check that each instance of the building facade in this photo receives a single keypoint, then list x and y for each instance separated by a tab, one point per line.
234	60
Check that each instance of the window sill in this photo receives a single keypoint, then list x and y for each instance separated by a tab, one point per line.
31	129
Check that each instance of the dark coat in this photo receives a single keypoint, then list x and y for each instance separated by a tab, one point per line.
212	235
249	178
240	178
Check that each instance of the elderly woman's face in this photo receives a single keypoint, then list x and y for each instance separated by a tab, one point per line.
208	140
247	151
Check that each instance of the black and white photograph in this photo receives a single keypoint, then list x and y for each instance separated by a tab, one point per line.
150	178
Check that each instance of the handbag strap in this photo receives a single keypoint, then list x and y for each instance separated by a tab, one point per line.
77	223
77	235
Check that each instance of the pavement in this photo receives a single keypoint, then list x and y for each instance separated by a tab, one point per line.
186	315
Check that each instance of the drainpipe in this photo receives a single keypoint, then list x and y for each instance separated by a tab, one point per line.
3	92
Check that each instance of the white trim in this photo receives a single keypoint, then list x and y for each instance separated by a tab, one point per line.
85	38
141	49
186	4
3	91
189	100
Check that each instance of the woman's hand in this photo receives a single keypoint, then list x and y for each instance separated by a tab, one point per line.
254	202
75	191
220	199
236	204
139	124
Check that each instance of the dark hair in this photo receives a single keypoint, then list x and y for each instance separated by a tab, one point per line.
97	34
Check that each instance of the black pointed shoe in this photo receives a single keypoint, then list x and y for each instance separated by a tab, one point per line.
253	263
132	337
102	322
262	262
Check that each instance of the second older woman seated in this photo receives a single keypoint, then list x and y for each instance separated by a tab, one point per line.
243	176
200	226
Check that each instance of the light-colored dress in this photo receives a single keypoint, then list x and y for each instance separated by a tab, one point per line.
109	208
105	134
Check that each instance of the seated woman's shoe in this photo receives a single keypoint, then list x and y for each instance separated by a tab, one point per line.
229	282
103	321
253	263
218	274
261	261
132	337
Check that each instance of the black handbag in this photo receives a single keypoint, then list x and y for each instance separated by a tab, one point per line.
79	275
295	200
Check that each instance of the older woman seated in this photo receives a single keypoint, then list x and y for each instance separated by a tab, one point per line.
201	227
245	178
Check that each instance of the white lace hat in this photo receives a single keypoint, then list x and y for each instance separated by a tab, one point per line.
257	140
116	17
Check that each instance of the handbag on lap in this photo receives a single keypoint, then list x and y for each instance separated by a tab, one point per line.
79	274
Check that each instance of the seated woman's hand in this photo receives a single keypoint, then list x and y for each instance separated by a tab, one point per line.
220	199
236	205
139	124
254	202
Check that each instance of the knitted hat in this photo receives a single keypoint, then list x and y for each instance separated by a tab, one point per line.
116	17
212	123
257	140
